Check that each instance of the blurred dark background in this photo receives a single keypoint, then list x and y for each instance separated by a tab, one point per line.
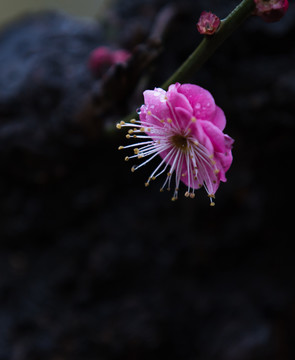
93	265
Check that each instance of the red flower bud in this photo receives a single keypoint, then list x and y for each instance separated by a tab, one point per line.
208	23
271	10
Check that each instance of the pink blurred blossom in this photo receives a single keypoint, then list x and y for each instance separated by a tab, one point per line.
185	127
120	56
103	58
208	23
271	10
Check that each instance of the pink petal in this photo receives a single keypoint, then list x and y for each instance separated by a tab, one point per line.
219	118
215	135
200	99
177	99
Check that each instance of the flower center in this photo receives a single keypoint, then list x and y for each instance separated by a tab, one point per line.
180	141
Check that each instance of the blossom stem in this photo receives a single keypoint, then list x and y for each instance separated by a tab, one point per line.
211	42
209	45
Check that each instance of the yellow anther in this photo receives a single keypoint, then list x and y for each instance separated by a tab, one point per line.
128	136
216	171
174	198
122	122
140	156
149	112
196	143
120	147
146	184
211	156
186	194
133	121
136	151
134	136
118	126
161	190
212	203
192	195
213	162
126	158
212	196
142	129
193	119
169	121
130	131
168	174
133	169
162	121
183	175
153	178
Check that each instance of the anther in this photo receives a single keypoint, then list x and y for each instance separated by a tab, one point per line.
146	184
193	119
136	151
130	131
122	122
174	198
128	136
192	195
133	121
120	147
169	120
133	169
212	196
140	156
126	158
118	126
149	112
212	203
186	194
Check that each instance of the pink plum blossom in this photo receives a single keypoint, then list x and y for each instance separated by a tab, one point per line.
185	127
271	10
208	23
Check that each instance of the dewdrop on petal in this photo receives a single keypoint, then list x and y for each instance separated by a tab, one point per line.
185	127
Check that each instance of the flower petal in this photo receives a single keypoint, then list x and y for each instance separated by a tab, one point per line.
219	119
200	99
215	135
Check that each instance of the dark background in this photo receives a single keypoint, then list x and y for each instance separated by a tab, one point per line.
93	265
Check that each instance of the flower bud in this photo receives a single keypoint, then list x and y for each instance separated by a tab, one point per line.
271	10
208	23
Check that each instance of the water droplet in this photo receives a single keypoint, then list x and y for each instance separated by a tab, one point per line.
208	104
138	111
198	105
152	106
